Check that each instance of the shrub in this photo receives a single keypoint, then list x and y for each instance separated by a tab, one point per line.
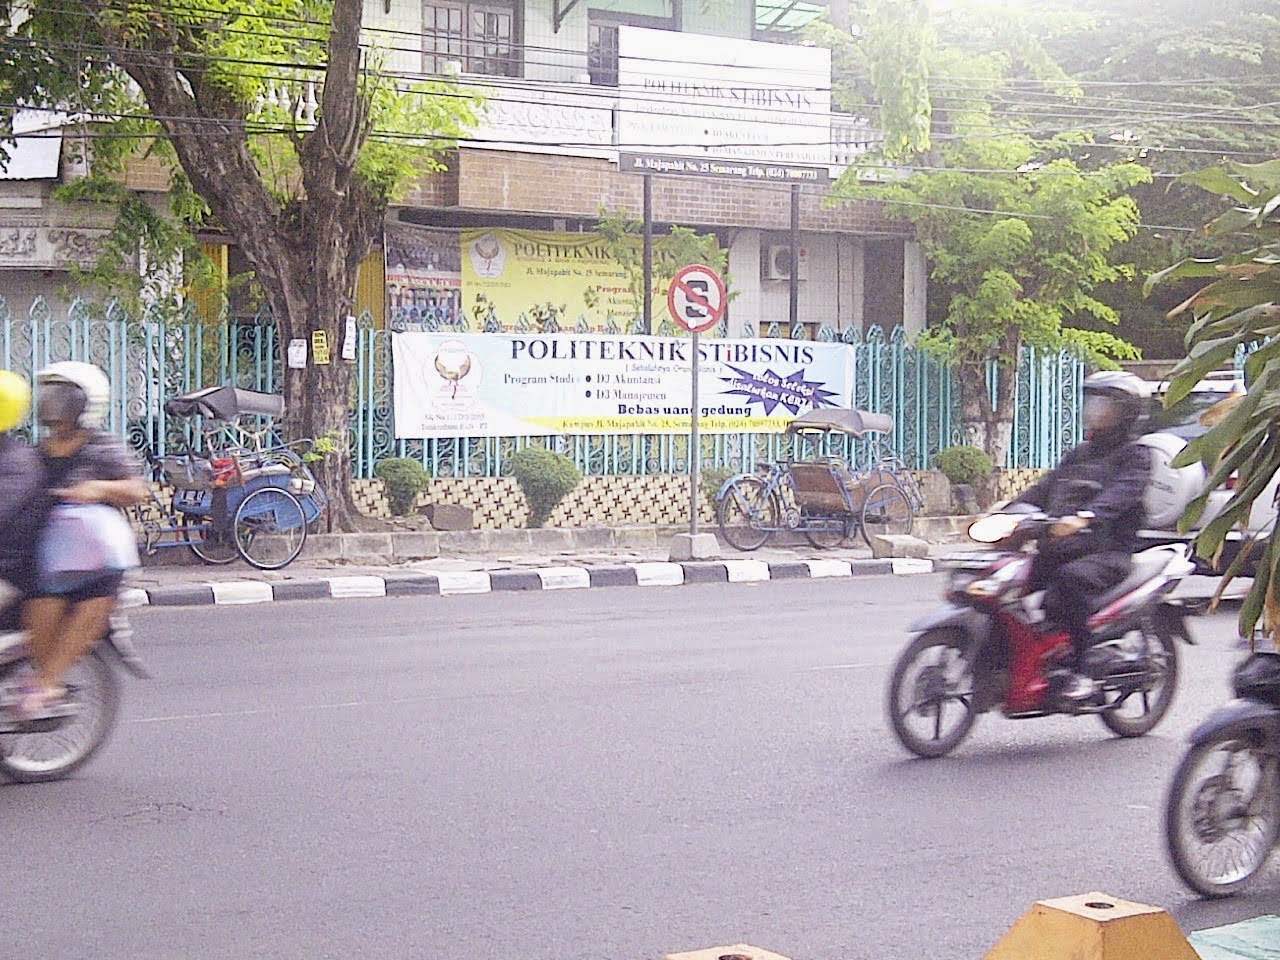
545	477
963	464
403	479
712	479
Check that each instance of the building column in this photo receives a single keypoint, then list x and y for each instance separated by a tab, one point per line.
915	283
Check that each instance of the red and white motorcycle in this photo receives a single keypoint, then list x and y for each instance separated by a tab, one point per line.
989	648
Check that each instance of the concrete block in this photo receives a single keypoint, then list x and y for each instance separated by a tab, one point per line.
564	578
658	574
181	595
411	584
514	580
1093	926
508	540
789	570
300	590
552	539
323	546
613	576
936	490
633	538
705	573
230	592
870	568
363	547
591	538
415	545
828	568
897	545
746	571
687	546
341	588
451	516
465	542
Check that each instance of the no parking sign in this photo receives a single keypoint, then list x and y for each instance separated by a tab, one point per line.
696	298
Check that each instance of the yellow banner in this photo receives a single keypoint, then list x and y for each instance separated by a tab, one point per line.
551	280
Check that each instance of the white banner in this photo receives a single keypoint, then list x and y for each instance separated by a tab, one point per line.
500	385
721	98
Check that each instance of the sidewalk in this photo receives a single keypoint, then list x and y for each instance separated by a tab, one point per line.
483	561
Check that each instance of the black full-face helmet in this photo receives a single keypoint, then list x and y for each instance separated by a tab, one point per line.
1116	404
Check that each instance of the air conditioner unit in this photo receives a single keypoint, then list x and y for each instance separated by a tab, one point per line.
777	264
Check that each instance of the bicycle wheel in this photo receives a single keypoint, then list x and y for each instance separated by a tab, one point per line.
206	543
270	528
885	510
748	513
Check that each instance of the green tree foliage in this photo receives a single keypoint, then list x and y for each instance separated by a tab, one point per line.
1237	307
679	247
1019	237
1174	85
213	88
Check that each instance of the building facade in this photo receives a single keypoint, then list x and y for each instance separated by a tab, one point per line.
590	105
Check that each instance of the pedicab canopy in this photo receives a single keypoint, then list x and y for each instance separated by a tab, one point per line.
225	403
841	420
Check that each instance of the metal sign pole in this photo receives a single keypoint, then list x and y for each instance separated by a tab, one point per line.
695	445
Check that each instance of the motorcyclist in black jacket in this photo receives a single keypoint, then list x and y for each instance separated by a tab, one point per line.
1088	556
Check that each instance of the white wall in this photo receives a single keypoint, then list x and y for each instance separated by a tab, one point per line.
833	293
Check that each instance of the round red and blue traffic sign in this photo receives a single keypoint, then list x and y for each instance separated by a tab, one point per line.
696	298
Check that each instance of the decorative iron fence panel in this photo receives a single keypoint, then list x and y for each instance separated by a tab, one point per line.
150	359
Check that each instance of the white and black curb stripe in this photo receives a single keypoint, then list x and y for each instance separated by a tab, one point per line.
416	584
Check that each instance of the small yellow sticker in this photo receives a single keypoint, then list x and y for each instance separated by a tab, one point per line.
319	347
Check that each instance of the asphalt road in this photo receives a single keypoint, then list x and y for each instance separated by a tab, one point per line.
608	773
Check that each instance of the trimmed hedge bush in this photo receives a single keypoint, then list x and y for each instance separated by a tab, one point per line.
545	477
403	479
964	464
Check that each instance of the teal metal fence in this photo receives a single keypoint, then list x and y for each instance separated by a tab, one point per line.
151	358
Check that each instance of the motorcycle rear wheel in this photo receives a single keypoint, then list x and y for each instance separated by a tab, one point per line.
1222	816
1140	706
52	754
932	681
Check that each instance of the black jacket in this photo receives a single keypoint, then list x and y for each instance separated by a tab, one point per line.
1123	469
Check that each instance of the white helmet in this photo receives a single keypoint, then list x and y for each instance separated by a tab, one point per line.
1129	395
88	401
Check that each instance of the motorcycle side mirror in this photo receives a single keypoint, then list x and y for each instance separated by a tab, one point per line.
994	528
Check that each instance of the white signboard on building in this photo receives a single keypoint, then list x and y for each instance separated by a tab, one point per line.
718	97
509	385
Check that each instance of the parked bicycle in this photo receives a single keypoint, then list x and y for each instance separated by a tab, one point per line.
236	494
820	497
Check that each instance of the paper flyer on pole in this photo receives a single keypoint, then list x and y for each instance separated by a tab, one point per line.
505	385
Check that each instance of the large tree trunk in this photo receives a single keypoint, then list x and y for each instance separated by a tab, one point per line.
988	426
305	252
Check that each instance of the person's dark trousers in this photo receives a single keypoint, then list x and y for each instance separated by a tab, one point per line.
1071	588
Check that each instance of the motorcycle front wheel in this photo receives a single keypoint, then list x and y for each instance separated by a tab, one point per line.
931	694
1222	815
51	750
1139	698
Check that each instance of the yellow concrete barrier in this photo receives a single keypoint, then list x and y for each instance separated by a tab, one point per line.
1093	926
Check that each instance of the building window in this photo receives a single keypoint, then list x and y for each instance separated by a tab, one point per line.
479	36
602	53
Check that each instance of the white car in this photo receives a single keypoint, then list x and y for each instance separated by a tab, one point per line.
1171	490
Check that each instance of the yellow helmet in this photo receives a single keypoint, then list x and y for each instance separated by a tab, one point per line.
15	400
